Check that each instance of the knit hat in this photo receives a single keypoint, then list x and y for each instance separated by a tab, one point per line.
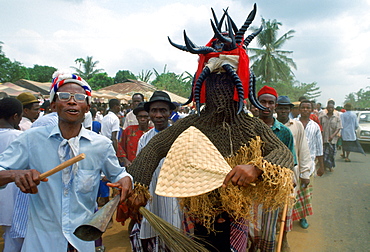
267	90
27	98
159	96
60	78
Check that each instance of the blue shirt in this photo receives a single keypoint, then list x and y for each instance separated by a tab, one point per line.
54	215
285	135
49	119
349	124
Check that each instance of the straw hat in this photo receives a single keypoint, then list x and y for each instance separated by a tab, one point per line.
193	166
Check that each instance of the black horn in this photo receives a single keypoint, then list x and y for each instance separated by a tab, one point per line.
239	35
197	50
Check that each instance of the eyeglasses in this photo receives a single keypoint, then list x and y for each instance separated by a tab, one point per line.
65	96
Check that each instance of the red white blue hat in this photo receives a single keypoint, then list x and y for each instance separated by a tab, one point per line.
60	78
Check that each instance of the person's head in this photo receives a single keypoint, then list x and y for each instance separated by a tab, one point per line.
141	115
71	97
267	96
330	108
114	105
302	98
46	107
305	108
331	101
11	111
295	109
31	106
255	111
136	99
283	108
3	95
159	108
318	106
177	105
93	113
313	105
348	106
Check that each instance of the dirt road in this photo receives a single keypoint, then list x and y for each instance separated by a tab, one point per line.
341	220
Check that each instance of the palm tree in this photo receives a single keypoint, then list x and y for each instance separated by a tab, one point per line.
145	76
270	63
88	66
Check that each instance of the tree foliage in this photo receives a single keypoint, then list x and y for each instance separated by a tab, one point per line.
87	67
359	99
294	90
41	73
123	76
100	80
145	76
178	84
273	66
270	63
11	71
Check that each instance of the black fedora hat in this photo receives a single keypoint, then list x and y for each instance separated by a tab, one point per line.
159	96
284	100
139	108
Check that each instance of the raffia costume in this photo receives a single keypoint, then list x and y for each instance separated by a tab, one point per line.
239	138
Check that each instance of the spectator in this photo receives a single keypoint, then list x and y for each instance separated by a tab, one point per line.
130	117
10	117
31	110
331	125
64	202
349	139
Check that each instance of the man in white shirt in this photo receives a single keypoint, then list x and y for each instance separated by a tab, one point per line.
144	236
10	116
302	169
110	123
130	117
31	110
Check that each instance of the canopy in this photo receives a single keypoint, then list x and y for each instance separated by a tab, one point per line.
14	90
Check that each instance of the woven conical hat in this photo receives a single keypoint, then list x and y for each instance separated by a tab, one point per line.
193	166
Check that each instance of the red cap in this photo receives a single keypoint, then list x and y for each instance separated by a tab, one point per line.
267	90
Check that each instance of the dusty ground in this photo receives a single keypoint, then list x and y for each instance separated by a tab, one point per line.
341	220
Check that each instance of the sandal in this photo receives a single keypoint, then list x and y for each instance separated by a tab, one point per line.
342	155
347	160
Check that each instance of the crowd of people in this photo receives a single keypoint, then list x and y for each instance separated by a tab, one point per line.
34	212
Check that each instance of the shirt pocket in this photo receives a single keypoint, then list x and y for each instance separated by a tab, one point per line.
86	180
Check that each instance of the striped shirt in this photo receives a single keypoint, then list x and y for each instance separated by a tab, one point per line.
164	207
314	140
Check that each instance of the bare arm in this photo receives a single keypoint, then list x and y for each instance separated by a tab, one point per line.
115	141
26	180
321	169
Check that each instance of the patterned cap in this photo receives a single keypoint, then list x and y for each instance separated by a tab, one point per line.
60	78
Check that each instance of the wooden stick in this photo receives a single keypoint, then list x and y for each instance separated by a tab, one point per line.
63	165
282	225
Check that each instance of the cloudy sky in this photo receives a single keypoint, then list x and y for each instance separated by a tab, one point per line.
331	44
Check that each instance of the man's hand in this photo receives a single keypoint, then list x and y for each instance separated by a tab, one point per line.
242	175
125	185
304	182
126	162
27	180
